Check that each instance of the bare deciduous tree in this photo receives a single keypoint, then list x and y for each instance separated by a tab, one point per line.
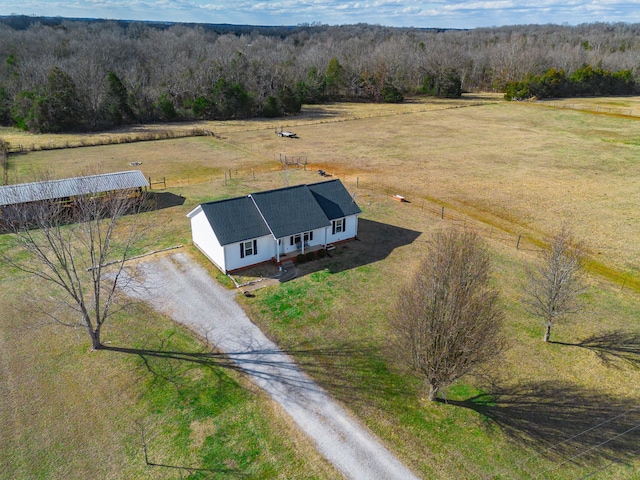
77	249
447	321
554	285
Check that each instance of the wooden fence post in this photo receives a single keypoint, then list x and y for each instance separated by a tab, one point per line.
442	214
518	243
150	184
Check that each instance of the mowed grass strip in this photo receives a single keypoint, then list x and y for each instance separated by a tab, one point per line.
68	412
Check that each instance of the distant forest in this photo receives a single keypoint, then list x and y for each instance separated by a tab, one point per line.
59	75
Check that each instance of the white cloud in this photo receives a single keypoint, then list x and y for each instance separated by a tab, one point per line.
431	13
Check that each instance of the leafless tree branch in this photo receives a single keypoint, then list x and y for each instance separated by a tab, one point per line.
555	284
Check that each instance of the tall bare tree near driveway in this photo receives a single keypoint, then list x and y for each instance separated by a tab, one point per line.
448	318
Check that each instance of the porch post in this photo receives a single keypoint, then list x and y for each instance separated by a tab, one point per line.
302	242
278	250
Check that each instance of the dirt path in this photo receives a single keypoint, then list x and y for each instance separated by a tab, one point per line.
177	286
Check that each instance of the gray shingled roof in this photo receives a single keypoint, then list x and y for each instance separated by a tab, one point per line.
334	199
235	220
281	212
70	187
290	210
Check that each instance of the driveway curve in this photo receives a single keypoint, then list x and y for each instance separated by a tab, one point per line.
177	286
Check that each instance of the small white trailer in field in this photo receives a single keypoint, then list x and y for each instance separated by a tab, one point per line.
284	133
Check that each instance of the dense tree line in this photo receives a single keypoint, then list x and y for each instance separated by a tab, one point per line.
67	75
584	81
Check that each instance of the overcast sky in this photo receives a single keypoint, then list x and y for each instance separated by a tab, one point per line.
398	13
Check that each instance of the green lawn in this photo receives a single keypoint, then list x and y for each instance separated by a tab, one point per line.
333	319
69	412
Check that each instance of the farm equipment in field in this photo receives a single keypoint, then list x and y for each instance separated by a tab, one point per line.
285	133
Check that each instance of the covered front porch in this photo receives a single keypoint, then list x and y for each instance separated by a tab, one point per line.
293	255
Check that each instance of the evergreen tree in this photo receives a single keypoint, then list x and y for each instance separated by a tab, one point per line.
117	105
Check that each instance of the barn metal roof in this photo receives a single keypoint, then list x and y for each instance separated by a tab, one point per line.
70	187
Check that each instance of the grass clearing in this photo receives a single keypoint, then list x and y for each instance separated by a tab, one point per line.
333	322
503	169
73	413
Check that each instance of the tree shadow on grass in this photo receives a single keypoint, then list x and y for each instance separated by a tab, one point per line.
565	423
349	371
613	348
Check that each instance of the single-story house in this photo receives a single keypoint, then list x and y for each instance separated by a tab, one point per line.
274	224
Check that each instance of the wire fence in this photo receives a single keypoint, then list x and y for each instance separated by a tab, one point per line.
375	193
111	139
258	178
225	178
422	206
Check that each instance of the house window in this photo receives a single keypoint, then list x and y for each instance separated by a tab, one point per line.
248	248
338	226
296	239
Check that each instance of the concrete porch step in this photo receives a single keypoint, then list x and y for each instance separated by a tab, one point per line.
288	265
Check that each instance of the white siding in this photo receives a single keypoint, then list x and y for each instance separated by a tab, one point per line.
318	239
205	239
266	251
350	230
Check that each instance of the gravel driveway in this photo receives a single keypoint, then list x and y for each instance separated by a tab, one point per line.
178	286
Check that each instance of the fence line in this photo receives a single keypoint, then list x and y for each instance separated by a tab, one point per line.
4	161
224	178
519	241
428	207
114	139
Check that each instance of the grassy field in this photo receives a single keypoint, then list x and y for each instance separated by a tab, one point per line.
508	170
69	412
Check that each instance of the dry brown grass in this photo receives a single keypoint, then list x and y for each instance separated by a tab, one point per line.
504	169
520	167
624	106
